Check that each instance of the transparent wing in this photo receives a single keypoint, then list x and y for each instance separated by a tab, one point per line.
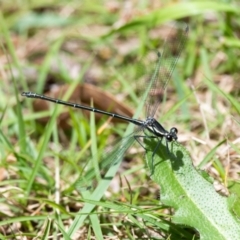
113	156
164	68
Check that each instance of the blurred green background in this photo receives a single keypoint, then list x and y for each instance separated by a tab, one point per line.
49	44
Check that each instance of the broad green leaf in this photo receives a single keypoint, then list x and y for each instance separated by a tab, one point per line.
194	199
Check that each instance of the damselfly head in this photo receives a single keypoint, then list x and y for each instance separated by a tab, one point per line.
172	134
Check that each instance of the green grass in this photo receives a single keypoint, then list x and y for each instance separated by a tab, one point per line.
74	42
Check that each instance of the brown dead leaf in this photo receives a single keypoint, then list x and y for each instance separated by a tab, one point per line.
83	95
3	174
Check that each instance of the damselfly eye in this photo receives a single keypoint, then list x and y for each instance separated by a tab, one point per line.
174	130
169	138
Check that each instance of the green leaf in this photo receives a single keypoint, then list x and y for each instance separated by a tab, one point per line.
46	20
234	188
194	199
175	11
231	99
